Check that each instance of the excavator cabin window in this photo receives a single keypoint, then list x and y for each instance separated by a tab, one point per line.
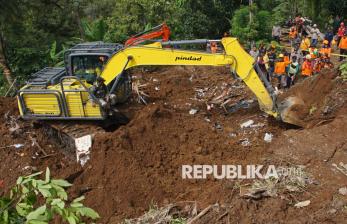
88	67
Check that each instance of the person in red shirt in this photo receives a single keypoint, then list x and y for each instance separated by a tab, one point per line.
341	31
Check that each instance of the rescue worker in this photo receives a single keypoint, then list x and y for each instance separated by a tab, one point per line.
317	66
313	51
329	36
292	35
262	49
305	44
307	69
261	64
271	58
326	62
280	71
296	42
343	46
340	32
276	33
325	48
293	70
254	52
314	35
298	54
286	56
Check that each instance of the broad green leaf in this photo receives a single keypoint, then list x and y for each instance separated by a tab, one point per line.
58	202
37	222
76	205
48	174
34	174
35	214
45	186
79	199
71	220
23	208
25	190
19	180
45	192
62	183
60	191
62	195
89	213
26	180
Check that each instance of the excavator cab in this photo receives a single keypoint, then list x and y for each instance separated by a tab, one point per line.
88	67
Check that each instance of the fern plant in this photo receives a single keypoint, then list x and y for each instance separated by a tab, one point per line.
36	201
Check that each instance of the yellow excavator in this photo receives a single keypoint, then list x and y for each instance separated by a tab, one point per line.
93	81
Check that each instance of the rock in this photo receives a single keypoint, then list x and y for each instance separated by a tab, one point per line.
245	142
332	211
302	204
232	135
268	137
218	126
247	124
343	190
193	111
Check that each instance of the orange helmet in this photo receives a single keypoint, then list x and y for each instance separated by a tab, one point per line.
325	42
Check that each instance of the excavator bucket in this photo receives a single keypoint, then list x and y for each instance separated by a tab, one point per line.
290	110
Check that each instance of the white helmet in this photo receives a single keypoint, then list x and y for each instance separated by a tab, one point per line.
315	25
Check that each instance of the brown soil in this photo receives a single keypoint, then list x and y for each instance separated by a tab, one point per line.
139	164
322	98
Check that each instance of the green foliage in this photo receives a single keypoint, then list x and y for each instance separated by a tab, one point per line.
94	31
257	29
36	33
36	201
343	70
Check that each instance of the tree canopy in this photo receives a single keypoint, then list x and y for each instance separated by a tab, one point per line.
29	30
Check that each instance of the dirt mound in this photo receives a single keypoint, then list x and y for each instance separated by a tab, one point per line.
139	164
319	98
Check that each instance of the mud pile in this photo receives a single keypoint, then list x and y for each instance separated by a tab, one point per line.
320	98
139	164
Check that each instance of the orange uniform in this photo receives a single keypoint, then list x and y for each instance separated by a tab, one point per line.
292	33
343	43
325	50
280	67
306	69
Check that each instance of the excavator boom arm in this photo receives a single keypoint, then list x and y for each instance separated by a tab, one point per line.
154	54
159	31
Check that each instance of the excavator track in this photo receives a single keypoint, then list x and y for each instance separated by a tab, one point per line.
65	134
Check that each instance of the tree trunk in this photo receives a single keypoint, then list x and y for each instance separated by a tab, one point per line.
79	22
3	63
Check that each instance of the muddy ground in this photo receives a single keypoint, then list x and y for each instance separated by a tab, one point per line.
139	165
